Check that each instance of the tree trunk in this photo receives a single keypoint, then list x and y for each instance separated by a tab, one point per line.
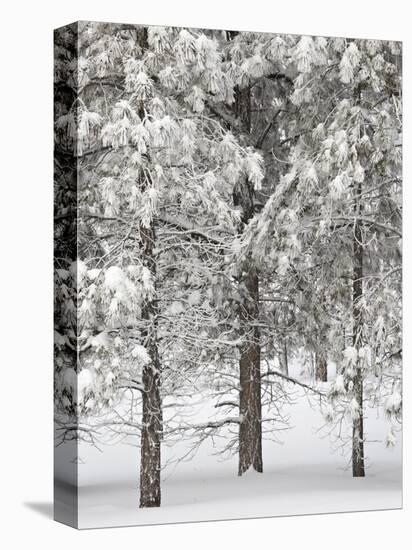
321	368
358	464
150	459
250	430
151	435
250	408
284	361
152	413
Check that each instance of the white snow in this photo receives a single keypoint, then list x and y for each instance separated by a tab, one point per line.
84	381
140	352
114	278
351	355
302	476
101	340
339	384
93	274
393	403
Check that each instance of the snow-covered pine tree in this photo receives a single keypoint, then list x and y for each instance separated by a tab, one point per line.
239	202
156	176
259	69
333	222
250	405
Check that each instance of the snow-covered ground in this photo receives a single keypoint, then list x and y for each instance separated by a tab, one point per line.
302	476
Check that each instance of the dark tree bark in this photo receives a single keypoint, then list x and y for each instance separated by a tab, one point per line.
284	361
250	430
243	107
152	412
321	367
358	457
152	418
358	464
250	408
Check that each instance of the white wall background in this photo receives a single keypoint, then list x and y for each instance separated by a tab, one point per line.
26	269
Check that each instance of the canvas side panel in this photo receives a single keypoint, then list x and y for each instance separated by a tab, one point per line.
65	276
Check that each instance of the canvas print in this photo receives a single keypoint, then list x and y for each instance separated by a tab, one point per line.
228	274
